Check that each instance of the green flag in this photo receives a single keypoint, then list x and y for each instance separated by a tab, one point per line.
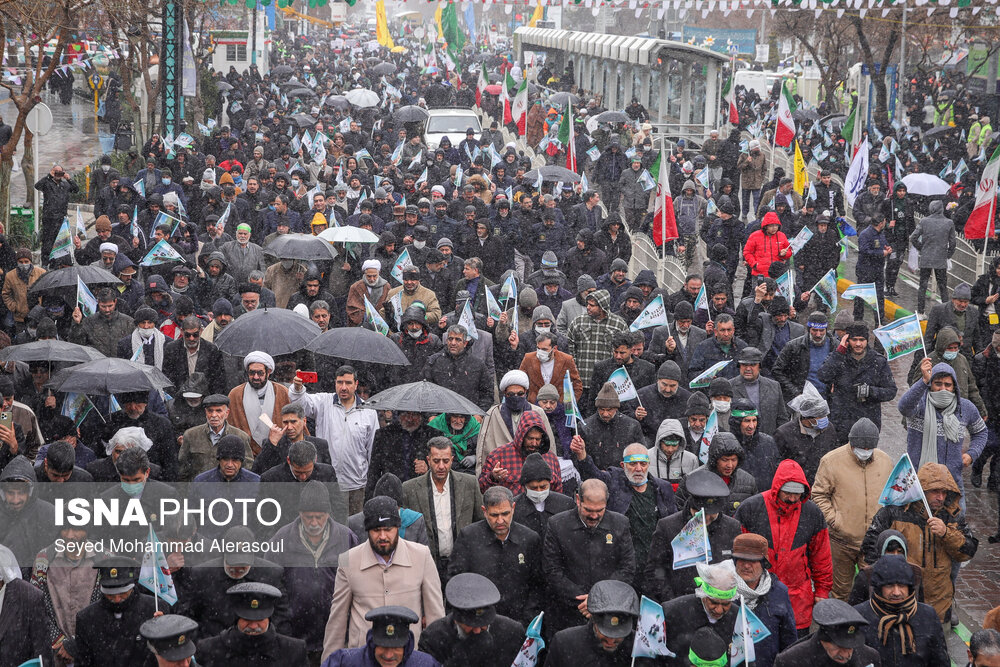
452	34
847	131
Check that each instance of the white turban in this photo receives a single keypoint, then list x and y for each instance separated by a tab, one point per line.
302	309
9	571
109	247
257	357
515	377
371	264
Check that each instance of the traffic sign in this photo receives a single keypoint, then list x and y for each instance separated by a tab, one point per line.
39	119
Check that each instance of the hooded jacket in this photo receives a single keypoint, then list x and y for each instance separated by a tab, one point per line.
968	386
31	529
741	483
677	467
935	555
417	350
689	211
590	339
861	591
511	457
760	452
798	540
935	238
761	249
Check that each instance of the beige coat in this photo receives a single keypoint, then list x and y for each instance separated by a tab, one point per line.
847	492
423	295
362	584
197	453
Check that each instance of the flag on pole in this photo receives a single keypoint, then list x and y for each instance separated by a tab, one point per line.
857	175
623	384
980	222
711	429
508	290
64	241
784	132
706	376
154	573
85	298
376	320
901	337
573	414
484	81
903	486
34	662
76	407
533	644
396	301
650	636
729	97
138	357
826	289
80	227
866	291
664	221
701	301
453	35
566	137
468	321
506	91
749	630
801	175
492	307
800	240
401	263
519	110
689	544
784	286
161	253
653	315
847	131
382	26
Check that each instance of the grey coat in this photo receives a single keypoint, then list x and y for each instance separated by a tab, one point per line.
772	411
633	194
242	262
935	238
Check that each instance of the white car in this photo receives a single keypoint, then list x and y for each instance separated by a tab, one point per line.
451	123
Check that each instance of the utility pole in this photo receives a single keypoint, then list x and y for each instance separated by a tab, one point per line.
901	74
253	36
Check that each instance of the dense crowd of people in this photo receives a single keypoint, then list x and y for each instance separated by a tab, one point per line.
748	415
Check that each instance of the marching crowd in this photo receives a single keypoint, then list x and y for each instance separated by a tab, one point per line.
748	419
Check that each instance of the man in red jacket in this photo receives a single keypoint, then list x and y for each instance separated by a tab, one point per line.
797	537
767	244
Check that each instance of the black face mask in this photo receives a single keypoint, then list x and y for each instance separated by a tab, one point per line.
516	403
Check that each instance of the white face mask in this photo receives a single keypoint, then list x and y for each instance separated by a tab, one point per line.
721	406
543	355
295	182
145	334
419	245
105	168
536	496
541	330
863	454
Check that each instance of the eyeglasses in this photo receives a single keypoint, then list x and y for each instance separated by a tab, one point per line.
192	334
515	393
254	374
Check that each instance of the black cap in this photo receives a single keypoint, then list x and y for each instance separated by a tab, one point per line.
706	490
535	468
253	601
170	636
117	574
230	447
840	623
614	607
411	208
708	645
381	511
215	399
473	597
391	625
749	355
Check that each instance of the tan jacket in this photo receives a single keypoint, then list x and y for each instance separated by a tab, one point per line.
422	294
15	292
410	580
238	416
847	492
197	453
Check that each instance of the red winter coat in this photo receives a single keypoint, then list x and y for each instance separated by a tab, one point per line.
799	543
760	249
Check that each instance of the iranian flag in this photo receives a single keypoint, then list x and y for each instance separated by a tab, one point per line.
729	95
508	85
519	109
979	224
664	222
566	137
785	130
481	86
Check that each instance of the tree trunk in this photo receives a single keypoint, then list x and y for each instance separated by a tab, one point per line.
6	165
28	165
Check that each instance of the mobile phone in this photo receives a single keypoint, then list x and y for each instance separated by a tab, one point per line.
307	377
6	419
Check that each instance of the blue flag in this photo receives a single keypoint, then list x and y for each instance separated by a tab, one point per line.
650	632
154	573
532	646
866	291
826	289
903	486
573	414
623	384
653	315
748	631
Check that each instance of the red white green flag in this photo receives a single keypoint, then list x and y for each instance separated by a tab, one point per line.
729	95
784	133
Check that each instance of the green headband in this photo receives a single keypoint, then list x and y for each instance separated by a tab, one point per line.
713	592
721	661
740	414
636	458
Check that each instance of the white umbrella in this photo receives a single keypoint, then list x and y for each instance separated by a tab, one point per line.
362	97
347	234
925	184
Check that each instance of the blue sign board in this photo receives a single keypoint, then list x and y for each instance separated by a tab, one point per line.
744	40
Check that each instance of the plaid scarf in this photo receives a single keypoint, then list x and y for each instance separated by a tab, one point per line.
896	615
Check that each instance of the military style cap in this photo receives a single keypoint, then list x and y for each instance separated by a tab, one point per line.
614	607
706	489
170	636
473	596
840	623
118	574
750	355
253	600
391	625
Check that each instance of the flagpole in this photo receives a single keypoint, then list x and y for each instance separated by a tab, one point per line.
704	532
986	236
663	208
156	595
744	632
923	496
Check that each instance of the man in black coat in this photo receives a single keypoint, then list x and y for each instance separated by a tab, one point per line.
253	639
504	552
457	369
584	546
607	433
640	371
473	633
400	448
800	359
606	640
538	502
706	490
56	188
23	624
688	613
107	631
208	357
663	399
158	429
292	429
840	640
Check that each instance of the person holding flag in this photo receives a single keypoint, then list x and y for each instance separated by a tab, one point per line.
761	592
873	249
608	635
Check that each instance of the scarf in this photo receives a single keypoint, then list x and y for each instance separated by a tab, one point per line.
751	596
952	427
896	615
158	338
254	407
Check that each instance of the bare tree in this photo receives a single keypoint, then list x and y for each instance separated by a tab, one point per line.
824	39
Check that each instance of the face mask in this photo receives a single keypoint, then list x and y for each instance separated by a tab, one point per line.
941	399
133	490
721	406
536	496
543	355
415	335
515	403
641	482
822	422
165	181
24	269
419	245
541	330
295	182
145	334
950	355
105	168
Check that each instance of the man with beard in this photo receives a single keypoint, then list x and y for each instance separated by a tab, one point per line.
761	456
199	444
215	284
103	329
372	287
417	343
801	358
383	571
192	354
257	396
820	254
840	640
106	631
609	431
607	637
400	448
502	419
134	412
222	310
253	640
411	291
242	255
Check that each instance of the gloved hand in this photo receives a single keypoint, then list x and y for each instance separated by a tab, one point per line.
467	463
862	392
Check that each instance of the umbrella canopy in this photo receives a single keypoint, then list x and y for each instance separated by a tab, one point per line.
50	350
362	97
302	92
422	396
831	117
300	246
60	279
109	376
805	114
925	184
358	344
347	234
337	102
281	70
494	89
410	114
398	49
223	86
562	98
612	117
272	330
940	129
384	68
552	173
302	120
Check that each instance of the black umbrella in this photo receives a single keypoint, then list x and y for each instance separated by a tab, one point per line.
562	98
302	92
337	102
831	117
302	120
940	129
423	396
805	114
281	70
300	246
109	376
384	68
50	350
410	114
358	344
612	117
223	86
60	279
272	330
553	173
